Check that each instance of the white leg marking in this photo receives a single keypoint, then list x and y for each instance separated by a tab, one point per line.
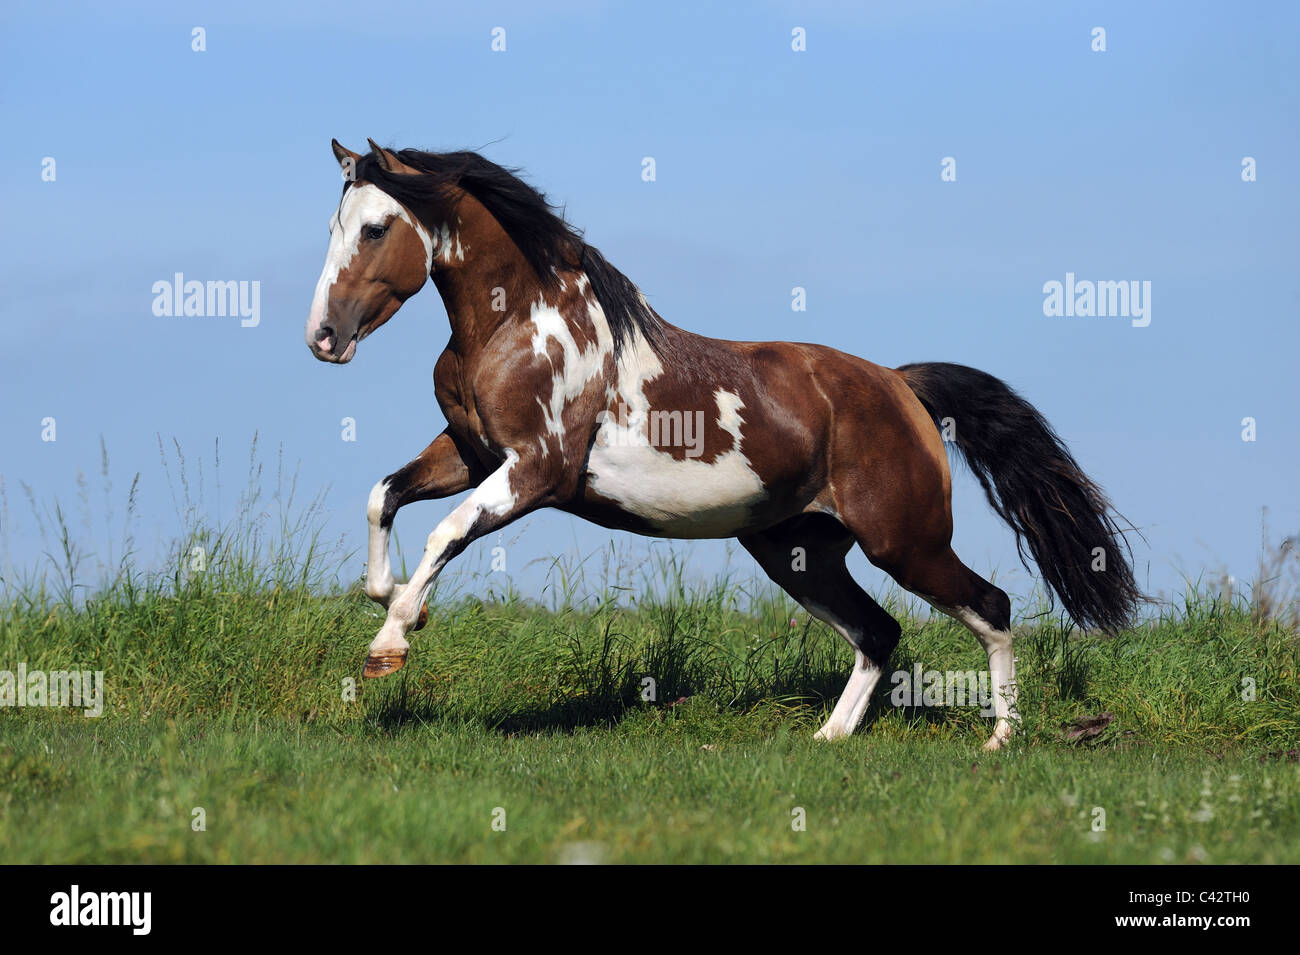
493	496
1002	671
379	575
852	705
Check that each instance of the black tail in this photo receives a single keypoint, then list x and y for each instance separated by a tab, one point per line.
1037	487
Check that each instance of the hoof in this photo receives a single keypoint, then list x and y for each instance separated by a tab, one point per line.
384	662
1001	736
421	620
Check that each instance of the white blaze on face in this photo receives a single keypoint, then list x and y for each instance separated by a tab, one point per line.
362	206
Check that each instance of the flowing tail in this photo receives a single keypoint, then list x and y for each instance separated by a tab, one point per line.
1037	487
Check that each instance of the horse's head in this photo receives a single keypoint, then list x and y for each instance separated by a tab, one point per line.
379	256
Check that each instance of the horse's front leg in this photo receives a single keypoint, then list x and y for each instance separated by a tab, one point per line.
511	491
440	471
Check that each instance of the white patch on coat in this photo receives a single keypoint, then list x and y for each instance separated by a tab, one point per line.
449	246
578	365
679	498
493	496
362	206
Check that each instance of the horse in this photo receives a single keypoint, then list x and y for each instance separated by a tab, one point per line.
562	387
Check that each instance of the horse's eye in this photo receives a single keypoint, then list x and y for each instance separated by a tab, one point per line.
376	231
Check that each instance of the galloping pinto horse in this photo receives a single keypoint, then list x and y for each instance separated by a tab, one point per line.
563	388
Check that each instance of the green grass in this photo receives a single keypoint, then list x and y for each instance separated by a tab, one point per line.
236	689
234	702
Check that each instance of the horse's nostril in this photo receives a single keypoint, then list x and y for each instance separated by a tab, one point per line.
325	338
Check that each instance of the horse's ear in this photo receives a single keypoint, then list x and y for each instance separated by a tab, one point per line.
387	161
344	155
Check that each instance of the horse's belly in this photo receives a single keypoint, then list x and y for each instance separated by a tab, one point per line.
677	497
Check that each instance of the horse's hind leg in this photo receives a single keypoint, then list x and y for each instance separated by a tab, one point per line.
953	588
805	556
892	489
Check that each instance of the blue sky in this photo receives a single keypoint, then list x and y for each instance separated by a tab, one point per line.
775	169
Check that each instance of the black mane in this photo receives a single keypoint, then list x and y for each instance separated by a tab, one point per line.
547	242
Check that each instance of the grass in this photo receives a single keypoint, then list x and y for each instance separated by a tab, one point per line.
522	733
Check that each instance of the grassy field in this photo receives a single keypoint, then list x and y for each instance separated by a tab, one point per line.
236	727
231	693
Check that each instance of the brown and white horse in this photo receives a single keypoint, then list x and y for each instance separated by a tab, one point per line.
563	388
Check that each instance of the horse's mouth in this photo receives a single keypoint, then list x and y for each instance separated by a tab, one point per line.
337	358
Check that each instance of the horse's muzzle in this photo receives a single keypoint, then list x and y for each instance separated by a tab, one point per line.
325	346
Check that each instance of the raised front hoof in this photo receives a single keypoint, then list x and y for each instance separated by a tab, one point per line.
1001	736
384	662
421	620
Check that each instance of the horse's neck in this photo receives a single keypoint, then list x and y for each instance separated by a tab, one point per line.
483	278
486	283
